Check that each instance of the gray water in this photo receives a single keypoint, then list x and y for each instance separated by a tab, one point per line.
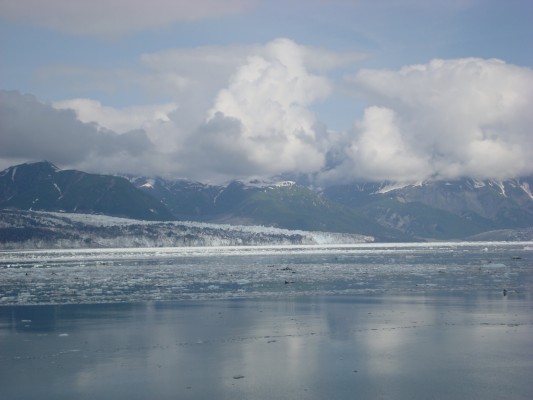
391	321
162	274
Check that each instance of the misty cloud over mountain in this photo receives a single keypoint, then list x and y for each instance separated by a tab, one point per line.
250	111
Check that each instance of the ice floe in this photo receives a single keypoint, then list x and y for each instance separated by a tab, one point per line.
162	274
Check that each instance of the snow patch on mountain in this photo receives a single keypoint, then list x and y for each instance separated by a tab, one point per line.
525	187
389	187
500	185
149	184
479	184
58	190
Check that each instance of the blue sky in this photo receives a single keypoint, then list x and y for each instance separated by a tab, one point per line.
340	90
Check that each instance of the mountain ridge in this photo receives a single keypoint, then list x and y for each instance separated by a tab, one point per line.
43	186
388	211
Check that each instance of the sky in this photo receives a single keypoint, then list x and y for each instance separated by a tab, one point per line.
337	91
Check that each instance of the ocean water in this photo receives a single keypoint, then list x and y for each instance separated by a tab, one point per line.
163	274
398	321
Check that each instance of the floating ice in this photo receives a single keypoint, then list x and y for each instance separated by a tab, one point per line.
132	275
494	265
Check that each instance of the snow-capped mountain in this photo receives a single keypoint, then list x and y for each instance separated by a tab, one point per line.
443	209
282	204
43	186
387	211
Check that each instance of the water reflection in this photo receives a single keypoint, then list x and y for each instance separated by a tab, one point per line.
313	348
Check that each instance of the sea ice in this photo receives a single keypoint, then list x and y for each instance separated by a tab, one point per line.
111	275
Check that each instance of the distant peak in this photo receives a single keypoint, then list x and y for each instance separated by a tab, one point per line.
45	164
39	167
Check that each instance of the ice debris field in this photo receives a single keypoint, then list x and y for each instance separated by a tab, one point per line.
161	274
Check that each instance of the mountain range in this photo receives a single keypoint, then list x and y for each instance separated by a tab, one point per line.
433	210
43	186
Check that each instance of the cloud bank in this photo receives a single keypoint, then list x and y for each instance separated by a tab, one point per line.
445	119
34	131
241	112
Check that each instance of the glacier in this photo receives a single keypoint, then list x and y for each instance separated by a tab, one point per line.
43	230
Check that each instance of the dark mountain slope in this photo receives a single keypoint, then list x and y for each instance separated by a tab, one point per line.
282	204
42	186
442	210
459	209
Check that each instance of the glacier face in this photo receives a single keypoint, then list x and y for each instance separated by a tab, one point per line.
41	230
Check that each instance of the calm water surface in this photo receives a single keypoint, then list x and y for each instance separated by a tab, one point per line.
398	322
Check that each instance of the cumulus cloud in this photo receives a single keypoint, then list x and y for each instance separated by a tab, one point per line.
119	120
247	111
380	152
189	77
153	120
32	130
269	95
115	17
445	119
237	110
192	77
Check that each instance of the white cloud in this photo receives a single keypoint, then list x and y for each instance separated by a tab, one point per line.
261	93
154	120
445	119
119	120
269	95
381	152
191	76
244	111
115	17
